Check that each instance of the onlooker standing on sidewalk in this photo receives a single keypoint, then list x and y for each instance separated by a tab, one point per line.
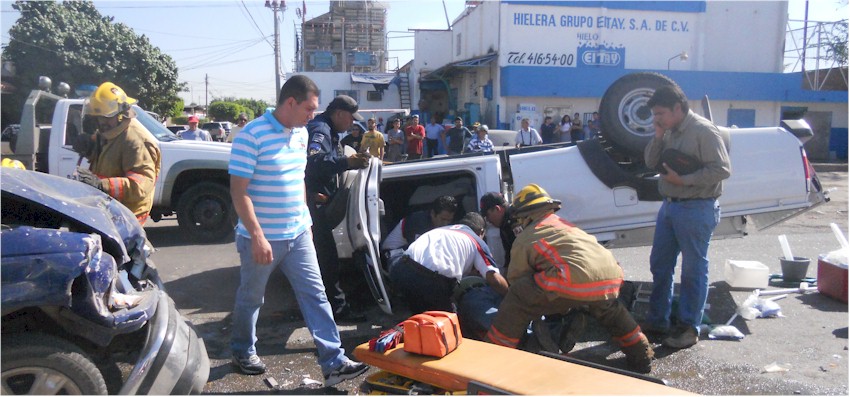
456	135
415	134
688	215
564	128
266	168
193	133
373	140
527	136
354	137
325	163
433	131
395	138
240	123
576	130
594	126
548	131
480	143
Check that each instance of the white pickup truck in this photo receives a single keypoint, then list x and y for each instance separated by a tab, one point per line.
602	191
193	181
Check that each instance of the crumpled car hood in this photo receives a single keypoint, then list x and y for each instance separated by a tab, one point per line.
79	203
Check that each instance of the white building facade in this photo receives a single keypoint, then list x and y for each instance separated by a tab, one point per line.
377	94
550	58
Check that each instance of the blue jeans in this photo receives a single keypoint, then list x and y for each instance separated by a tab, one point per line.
682	227
476	310
296	258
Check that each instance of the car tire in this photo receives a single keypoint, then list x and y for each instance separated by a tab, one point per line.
626	120
37	363
205	212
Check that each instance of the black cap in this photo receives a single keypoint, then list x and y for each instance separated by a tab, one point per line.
346	103
490	200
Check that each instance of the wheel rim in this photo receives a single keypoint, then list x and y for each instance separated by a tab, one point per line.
633	113
209	213
38	381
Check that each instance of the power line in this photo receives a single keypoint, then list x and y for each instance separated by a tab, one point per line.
171	34
251	41
224	63
251	17
212	58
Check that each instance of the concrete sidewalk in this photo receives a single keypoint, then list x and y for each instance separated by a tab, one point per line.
830	167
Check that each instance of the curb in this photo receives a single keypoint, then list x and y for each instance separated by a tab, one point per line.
830	167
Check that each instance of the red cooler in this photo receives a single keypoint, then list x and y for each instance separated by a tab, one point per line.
832	277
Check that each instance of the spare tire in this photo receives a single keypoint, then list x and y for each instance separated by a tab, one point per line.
626	120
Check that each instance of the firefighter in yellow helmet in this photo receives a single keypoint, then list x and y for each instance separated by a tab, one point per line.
7	162
557	267
124	156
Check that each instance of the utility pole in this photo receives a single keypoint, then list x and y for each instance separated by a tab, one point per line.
275	7
206	95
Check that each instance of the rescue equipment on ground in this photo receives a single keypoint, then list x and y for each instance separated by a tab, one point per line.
432	333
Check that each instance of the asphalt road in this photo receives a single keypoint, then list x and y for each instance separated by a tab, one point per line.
811	337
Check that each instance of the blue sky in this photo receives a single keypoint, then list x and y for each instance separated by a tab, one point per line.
230	42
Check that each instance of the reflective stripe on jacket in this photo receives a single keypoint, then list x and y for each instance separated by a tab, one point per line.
564	260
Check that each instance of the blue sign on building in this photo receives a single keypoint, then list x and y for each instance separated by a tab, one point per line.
322	60
601	56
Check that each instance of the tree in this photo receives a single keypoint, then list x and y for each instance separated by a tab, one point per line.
177	108
72	42
253	107
221	110
836	45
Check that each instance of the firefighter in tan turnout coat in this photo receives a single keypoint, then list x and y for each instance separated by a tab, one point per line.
124	156
557	267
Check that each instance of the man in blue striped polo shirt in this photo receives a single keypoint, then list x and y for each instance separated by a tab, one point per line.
266	168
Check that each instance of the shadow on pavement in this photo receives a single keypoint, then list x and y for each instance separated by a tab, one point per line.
172	236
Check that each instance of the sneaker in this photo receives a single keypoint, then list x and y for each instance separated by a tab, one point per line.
251	365
682	340
347	370
575	323
346	314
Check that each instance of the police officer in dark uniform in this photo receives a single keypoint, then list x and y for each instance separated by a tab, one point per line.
325	163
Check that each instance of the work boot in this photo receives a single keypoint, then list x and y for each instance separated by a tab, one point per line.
653	330
574	324
540	330
639	356
685	338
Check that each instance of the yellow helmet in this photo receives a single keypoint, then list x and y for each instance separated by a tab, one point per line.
530	198
108	100
7	162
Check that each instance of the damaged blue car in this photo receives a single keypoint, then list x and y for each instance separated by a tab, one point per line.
83	308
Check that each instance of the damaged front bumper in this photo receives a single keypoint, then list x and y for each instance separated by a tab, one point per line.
173	360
